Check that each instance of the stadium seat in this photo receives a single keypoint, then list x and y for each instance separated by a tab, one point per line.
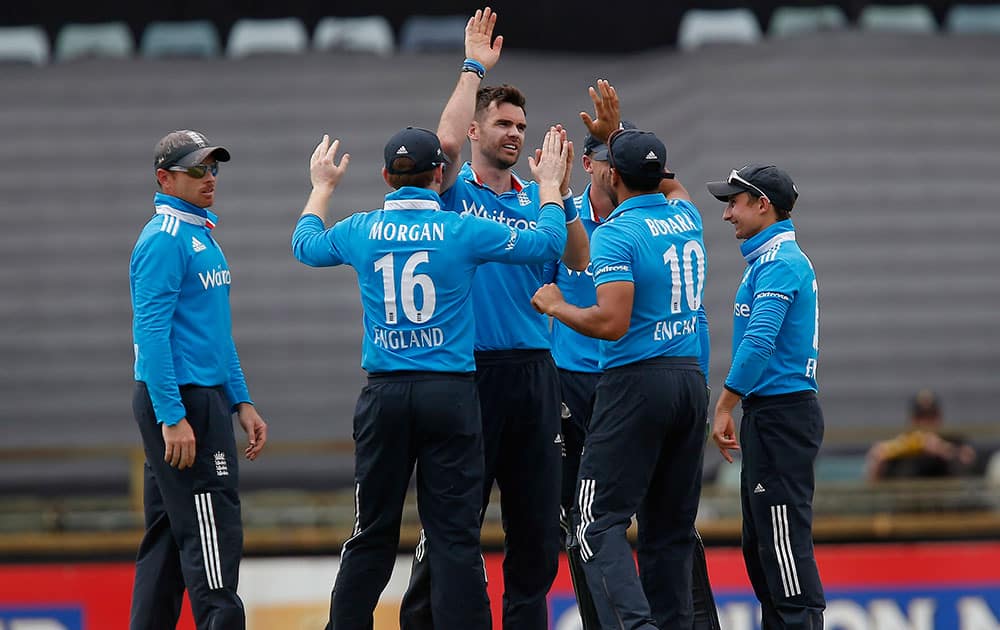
791	21
23	44
973	18
278	36
727	26
106	39
370	34
907	18
426	33
840	468
195	38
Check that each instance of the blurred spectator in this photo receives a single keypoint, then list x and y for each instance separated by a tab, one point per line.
921	450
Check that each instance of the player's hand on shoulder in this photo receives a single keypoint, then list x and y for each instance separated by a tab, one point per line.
479	42
548	165
324	171
255	428
607	112
179	444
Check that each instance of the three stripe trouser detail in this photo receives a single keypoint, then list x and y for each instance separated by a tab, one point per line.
209	539
783	551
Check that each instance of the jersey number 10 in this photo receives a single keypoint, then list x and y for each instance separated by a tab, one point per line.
692	263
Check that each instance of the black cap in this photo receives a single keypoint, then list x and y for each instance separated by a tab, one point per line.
420	146
925	405
597	150
186	148
638	154
760	179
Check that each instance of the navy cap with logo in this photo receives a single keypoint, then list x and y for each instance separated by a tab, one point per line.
413	150
762	180
186	148
638	154
597	150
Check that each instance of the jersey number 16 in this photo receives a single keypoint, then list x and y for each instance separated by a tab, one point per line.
408	282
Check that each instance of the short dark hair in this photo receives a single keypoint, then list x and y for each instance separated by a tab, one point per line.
420	180
640	184
781	213
488	95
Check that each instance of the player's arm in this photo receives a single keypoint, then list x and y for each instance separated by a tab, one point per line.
240	403
704	341
576	256
311	243
772	299
608	319
157	269
673	189
453	128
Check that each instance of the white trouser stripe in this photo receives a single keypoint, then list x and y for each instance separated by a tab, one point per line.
796	588
783	550
209	540
204	540
419	553
586	503
357	517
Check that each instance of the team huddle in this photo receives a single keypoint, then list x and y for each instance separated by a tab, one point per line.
587	403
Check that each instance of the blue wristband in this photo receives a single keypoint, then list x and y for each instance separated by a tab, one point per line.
572	214
471	65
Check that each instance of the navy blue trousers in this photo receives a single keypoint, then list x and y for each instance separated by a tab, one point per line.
780	437
431	420
520	401
643	456
194	532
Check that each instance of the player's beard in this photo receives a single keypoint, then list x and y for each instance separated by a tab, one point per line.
502	162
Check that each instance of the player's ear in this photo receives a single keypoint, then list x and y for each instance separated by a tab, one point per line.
473	130
385	176
588	165
163	176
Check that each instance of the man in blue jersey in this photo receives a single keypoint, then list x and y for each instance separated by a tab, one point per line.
517	381
188	384
415	267
775	349
578	358
643	449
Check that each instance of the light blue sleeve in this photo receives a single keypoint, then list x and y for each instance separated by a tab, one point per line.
705	340
157	269
775	286
610	256
314	246
236	387
501	243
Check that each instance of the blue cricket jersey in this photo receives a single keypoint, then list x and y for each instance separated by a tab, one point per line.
415	267
657	245
571	350
181	326
775	317
501	298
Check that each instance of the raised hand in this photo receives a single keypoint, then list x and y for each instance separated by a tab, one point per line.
549	164
324	172
606	110
479	42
